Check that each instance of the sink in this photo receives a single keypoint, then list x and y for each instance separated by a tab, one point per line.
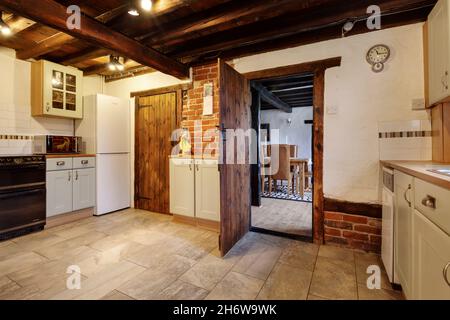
445	172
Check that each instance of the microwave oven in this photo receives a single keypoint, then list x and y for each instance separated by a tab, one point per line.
56	144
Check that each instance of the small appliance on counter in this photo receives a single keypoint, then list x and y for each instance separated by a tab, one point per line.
22	195
56	144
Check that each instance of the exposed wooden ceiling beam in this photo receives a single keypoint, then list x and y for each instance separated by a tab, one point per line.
271	98
61	38
160	12
221	18
88	54
324	34
53	14
287	25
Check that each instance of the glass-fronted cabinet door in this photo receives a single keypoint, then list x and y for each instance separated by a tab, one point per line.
61	91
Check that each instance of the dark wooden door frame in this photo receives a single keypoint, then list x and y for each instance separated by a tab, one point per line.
318	68
178	89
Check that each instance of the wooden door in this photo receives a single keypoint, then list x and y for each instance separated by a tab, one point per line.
155	122
235	113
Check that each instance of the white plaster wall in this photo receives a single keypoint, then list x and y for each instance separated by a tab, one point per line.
298	133
15	106
351	154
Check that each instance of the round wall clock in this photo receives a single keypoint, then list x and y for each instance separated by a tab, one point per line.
377	57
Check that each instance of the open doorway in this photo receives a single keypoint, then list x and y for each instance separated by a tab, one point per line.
282	182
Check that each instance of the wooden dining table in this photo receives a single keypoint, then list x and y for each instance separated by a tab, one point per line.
299	165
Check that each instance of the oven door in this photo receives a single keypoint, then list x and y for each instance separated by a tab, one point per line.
20	208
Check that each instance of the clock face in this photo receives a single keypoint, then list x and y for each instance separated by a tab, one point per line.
378	54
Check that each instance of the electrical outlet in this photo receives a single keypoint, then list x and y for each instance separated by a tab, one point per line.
418	104
332	110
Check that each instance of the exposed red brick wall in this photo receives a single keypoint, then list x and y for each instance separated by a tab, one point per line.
193	110
351	231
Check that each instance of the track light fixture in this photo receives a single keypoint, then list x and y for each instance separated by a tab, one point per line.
116	63
141	5
4	28
348	26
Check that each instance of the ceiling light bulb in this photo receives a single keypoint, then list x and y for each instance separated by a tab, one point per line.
6	31
112	67
146	5
133	12
120	67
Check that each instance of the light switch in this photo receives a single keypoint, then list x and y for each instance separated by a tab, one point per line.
332	110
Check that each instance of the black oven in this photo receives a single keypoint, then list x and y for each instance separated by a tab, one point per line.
22	194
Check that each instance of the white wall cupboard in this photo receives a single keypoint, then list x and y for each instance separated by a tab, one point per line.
56	90
439	52
70	185
195	188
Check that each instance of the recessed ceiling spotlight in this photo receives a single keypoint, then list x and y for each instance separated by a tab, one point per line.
348	26
133	11
146	5
4	28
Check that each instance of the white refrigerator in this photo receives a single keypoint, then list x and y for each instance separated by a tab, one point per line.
105	130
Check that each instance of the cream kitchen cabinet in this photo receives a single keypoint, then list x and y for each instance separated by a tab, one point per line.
431	260
439	52
59	192
403	230
182	191
70	185
207	190
195	188
56	90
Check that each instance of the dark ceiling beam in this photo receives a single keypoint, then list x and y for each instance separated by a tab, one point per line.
271	99
59	39
54	15
223	17
88	54
162	12
309	37
288	25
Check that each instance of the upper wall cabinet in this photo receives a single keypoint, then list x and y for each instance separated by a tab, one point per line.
439	52
56	90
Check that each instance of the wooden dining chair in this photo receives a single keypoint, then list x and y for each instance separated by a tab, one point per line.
294	150
283	158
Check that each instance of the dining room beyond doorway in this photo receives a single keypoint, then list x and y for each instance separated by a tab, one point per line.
283	113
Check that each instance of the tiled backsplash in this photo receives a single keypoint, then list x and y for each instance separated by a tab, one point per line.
18	127
405	140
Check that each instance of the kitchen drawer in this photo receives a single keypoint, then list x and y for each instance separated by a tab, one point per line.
434	203
82	163
59	164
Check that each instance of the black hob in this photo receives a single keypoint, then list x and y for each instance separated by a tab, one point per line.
22	194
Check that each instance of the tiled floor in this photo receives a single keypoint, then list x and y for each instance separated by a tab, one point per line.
135	254
287	216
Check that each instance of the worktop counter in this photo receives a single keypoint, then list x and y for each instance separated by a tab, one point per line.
419	169
69	155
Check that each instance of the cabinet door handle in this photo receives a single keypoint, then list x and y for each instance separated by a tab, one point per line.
70	175
405	195
445	273
76	175
429	202
190	167
197	167
84	162
60	163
